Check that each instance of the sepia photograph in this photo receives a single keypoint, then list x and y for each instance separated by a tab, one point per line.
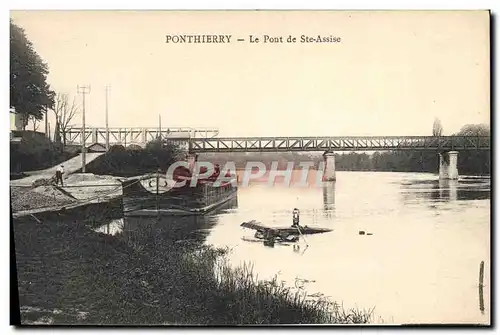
250	167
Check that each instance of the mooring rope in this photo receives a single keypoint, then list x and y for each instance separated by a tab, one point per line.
110	192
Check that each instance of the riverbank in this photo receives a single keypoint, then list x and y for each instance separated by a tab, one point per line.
70	274
79	189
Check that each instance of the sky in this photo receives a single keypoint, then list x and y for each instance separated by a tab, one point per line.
392	73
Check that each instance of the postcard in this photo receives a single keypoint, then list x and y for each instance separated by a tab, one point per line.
271	167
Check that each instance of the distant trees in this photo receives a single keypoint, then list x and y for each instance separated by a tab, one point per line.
478	161
474	130
437	128
240	159
353	162
30	95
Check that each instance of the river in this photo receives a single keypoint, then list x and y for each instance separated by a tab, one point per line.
418	261
420	265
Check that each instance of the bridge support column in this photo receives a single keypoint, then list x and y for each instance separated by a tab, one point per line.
329	195
192	158
329	172
94	135
448	165
120	136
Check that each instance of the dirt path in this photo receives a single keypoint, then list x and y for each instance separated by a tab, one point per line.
70	166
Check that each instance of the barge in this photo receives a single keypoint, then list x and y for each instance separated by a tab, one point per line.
155	195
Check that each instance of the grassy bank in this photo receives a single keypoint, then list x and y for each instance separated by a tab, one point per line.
68	274
33	151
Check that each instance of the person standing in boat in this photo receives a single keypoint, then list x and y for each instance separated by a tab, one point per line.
296	217
59	174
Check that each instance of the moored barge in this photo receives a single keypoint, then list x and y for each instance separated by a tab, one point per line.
154	194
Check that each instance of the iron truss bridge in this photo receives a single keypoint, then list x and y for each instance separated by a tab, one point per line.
138	136
374	143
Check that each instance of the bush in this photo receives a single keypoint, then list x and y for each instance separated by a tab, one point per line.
123	162
43	159
117	148
134	147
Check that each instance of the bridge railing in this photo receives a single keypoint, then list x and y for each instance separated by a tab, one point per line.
135	135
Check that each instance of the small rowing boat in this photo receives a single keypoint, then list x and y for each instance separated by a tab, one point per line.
281	234
270	235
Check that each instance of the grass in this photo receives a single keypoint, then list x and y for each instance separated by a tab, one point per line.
65	266
243	299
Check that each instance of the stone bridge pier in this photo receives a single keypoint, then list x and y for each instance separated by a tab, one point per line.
192	159
448	169
329	171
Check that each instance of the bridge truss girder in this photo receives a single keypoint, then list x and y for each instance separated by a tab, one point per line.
371	143
135	135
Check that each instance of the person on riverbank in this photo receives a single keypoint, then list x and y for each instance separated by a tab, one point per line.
59	174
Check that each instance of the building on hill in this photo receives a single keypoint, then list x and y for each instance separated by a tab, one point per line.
96	147
16	122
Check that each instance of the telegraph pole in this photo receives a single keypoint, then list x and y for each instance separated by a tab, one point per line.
107	128
159	126
83	90
46	122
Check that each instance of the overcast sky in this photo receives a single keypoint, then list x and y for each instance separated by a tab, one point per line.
392	73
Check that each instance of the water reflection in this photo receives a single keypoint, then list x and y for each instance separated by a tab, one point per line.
329	198
406	262
112	227
448	190
441	190
153	232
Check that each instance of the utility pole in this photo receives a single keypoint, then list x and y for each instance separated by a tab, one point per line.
159	126
83	90
46	122
107	128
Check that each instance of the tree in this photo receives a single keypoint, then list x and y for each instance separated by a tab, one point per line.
35	123
64	113
30	94
57	133
474	130
437	128
474	162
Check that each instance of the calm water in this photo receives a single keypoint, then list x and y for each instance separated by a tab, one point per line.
420	265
